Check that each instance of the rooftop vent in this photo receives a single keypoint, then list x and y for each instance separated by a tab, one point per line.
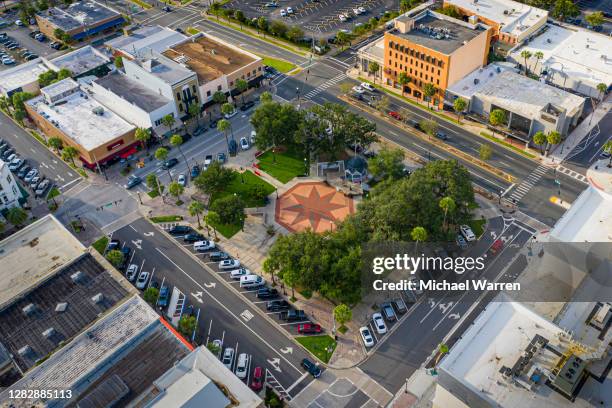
25	350
49	332
77	276
29	309
98	110
61	307
98	298
476	81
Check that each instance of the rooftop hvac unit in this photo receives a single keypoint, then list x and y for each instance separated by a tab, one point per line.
476	81
49	332
77	276
61	307
98	298
29	309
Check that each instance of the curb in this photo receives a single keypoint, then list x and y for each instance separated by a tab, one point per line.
455	152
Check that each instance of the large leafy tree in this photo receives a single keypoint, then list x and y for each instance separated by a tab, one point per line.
214	179
497	117
175	189
17	216
115	257
343	314
388	163
275	124
539	139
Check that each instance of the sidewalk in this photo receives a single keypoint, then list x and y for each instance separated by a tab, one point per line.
588	125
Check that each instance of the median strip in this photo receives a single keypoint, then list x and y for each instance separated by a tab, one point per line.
456	152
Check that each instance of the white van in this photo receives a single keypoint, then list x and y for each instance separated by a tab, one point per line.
203	246
251	281
242	365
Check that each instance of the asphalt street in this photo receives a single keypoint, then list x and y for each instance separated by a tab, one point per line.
589	150
37	155
431	320
224	314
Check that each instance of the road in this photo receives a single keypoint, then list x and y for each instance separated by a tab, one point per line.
38	156
223	314
588	151
431	320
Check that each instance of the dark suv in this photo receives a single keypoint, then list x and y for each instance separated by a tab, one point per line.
180	230
311	367
277	305
293	316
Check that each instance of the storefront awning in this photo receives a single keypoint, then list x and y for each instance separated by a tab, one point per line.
132	150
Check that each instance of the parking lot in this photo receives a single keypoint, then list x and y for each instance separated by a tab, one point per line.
20	35
317	17
223	315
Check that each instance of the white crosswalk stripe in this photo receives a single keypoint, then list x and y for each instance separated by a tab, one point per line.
522	189
330	82
571	173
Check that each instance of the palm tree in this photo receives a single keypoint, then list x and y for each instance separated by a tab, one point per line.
17	216
161	154
241	86
539	138
194	112
373	69
56	143
69	153
602	88
429	90
175	189
143	135
459	106
526	55
213	219
404	80
447	204
539	55
418	234
177	141
442	350
607	147
195	209
224	126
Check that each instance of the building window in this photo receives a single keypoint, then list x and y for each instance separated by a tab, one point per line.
181	107
411	70
390	53
401	67
231	83
426	77
437	81
178	96
438	72
208	94
218	87
8	178
259	69
248	74
193	89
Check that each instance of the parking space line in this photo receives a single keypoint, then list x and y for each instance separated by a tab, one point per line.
292	323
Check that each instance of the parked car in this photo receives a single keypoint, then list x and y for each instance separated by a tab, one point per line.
164	295
366	336
233	147
461	241
35	180
131	272
23	171
204	245
218	256
167	9
257	381
113	244
400	306
16	164
283	13
379	323
231	114
467	233
195	171
180	230
238	273
213	124
42	188
208	160
387	310
199	130
267	293
221	157
289	10
293	315
193	237
244	143
358	90
182	180
247	105
132	181
142	280
168	164
253	136
229	264
367	86
242	365
31	174
277	305
19	23
441	136
228	358
309	328
395	115
311	367
251	281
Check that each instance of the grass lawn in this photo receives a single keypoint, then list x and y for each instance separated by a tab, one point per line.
244	190
227	230
317	345
477	226
192	31
278	64
167	218
288	165
100	245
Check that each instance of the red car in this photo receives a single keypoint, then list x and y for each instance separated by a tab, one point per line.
257	383
309	328
395	115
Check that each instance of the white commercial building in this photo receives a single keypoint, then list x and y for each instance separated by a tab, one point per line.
9	190
82	61
531	105
513	21
573	59
132	101
148	38
22	78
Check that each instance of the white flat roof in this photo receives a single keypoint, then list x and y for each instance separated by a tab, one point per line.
80	61
470	84
33	254
76	119
498	338
581	55
21	75
156	38
513	17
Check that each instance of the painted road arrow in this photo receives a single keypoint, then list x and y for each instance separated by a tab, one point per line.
198	296
287	350
137	243
275	362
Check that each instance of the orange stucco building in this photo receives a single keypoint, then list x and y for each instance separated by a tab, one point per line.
434	49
